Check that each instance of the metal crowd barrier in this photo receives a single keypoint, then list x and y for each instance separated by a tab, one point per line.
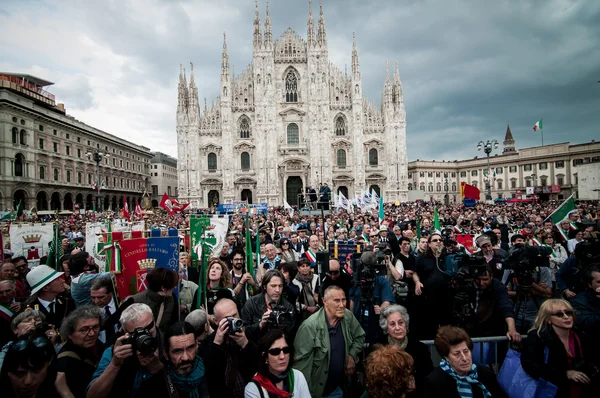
485	351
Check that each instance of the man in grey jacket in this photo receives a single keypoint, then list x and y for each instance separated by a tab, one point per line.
327	345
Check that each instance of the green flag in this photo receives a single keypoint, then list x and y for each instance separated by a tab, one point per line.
249	262
436	220
19	212
257	248
56	250
418	227
381	214
563	211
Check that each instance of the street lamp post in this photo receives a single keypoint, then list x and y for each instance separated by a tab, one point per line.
446	198
97	157
487	148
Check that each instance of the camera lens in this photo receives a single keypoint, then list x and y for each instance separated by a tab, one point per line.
146	345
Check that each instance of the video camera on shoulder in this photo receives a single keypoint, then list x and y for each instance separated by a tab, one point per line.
463	268
525	258
383	250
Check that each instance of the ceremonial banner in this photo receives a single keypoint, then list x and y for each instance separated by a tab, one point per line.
122	225
94	243
31	240
197	227
140	255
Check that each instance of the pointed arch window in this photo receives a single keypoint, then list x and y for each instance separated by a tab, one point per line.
341	158
340	126
245	160
291	87
212	161
293	134
19	165
244	127
373	157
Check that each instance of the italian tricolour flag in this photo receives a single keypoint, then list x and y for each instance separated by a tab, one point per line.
538	125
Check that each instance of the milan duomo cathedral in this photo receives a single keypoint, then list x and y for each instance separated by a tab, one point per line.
289	121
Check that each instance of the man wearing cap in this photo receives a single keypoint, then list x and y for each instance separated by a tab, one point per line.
47	287
302	239
79	241
491	256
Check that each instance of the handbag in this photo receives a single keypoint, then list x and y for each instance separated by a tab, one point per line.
516	383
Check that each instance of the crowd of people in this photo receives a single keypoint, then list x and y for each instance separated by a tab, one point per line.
302	322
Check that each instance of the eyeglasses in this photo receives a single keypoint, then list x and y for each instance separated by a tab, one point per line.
561	314
86	330
285	243
38	342
435	240
276	351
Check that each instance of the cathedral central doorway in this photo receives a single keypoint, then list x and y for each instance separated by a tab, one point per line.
293	188
247	195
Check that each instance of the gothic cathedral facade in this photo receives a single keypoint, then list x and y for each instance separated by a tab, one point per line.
290	120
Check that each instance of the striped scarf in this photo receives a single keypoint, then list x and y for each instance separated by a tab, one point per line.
463	383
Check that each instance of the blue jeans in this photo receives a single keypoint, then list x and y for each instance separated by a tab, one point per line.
337	393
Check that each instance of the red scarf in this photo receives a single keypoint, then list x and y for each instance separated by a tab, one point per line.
270	387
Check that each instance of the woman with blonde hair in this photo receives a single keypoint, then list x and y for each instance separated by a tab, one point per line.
555	351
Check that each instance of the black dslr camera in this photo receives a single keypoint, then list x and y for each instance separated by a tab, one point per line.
382	251
235	324
279	315
40	329
142	341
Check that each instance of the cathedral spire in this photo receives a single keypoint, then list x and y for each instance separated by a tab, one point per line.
225	60
310	34
509	142
268	31
257	34
194	108
321	36
387	88
355	65
182	92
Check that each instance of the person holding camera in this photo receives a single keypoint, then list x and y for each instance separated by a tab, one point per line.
132	360
557	352
327	346
230	358
492	257
368	299
269	309
184	371
79	356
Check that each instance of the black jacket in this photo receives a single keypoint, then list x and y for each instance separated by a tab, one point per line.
216	358
494	307
555	371
441	384
587	316
254	310
78	365
62	307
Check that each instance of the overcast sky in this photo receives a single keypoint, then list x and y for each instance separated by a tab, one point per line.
467	66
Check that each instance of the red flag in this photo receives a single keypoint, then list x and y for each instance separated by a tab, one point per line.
126	210
470	191
172	206
138	210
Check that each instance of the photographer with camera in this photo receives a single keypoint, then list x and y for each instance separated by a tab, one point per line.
493	310
492	257
230	358
371	292
269	309
133	359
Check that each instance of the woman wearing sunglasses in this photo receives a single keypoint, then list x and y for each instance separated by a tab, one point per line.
275	377
568	361
30	370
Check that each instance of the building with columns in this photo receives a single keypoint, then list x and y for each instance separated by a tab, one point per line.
43	154
551	171
163	177
289	120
